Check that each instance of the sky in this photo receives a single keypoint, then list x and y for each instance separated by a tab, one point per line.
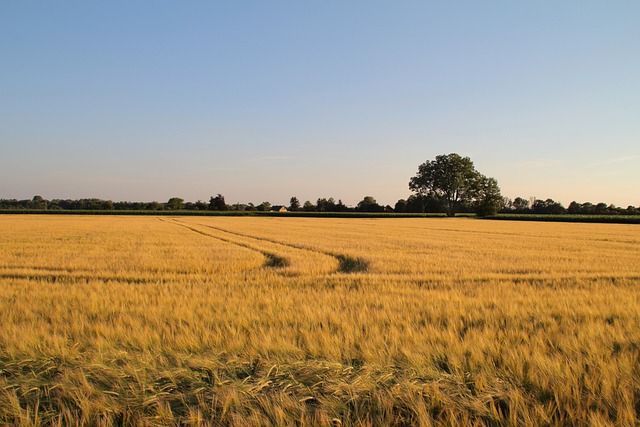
265	100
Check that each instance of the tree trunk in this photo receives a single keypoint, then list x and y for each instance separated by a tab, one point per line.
450	209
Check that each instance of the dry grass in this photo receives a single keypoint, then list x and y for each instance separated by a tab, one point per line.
301	321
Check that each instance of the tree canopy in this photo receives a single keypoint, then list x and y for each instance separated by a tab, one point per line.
454	181
294	204
369	204
217	203
175	203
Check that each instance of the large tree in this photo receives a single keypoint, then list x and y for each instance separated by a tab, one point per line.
454	181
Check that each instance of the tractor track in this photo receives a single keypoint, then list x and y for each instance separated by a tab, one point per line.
346	263
272	260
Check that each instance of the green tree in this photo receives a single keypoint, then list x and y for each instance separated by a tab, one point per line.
574	208
294	204
237	207
588	208
200	205
548	206
488	200
454	181
420	203
341	207
369	204
264	207
153	206
520	204
326	205
401	206
217	203
601	208
175	203
38	202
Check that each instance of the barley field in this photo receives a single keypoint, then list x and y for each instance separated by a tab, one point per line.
273	321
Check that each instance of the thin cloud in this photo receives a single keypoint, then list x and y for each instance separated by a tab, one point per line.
540	163
270	159
613	161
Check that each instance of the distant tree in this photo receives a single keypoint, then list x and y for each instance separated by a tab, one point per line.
153	206
38	202
294	204
54	205
601	209
416	203
341	207
454	181
574	208
217	203
487	197
401	206
175	203
548	206
588	208
264	207
613	210
123	206
308	207
10	204
200	206
326	205
520	204
237	207
420	203
369	204
84	204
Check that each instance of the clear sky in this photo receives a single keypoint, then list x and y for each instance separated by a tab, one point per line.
264	100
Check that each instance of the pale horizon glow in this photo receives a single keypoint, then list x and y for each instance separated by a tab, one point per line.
262	101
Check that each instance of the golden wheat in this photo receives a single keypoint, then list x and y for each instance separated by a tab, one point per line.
309	321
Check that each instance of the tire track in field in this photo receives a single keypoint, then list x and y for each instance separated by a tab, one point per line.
77	278
37	268
74	276
346	263
272	260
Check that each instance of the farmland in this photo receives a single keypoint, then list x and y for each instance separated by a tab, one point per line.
317	321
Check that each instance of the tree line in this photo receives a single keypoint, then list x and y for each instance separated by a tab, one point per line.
417	203
550	206
215	203
449	184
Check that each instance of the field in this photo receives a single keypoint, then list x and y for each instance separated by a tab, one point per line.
317	321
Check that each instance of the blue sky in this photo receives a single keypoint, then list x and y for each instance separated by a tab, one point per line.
148	100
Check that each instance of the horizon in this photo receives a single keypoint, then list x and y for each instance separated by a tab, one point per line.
301	201
263	102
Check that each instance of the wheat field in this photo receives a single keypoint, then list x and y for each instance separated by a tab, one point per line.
317	321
